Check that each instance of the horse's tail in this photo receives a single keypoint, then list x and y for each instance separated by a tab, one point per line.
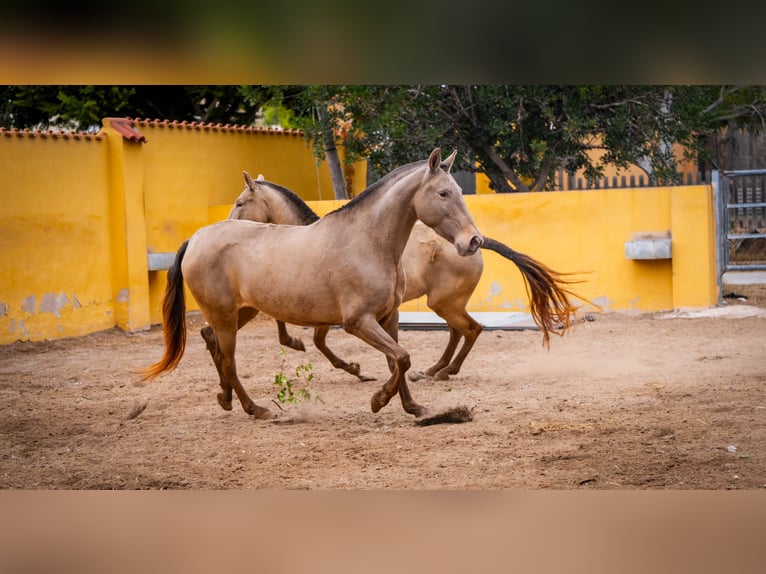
173	319
547	290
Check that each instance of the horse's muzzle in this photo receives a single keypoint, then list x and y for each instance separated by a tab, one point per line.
472	247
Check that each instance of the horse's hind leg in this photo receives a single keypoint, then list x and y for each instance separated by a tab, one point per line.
470	329
244	316
227	368
287	340
320	342
449	351
211	342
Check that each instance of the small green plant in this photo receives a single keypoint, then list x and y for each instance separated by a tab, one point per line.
286	392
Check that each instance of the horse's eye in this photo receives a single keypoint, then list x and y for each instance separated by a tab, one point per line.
239	204
443	193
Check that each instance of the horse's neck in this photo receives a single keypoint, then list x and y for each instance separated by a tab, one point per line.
393	215
283	212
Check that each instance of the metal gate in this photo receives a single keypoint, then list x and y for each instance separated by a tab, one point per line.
740	212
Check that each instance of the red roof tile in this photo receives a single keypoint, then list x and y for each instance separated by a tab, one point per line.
218	127
55	134
123	127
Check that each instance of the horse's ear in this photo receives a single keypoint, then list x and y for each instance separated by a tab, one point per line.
248	180
260	177
435	160
450	160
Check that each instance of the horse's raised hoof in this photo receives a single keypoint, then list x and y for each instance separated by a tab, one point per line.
378	401
225	405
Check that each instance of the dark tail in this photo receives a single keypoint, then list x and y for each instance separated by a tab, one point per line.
547	290
173	319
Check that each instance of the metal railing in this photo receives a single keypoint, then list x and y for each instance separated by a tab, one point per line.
740	213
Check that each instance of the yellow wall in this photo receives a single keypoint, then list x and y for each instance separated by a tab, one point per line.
55	245
79	213
78	216
585	232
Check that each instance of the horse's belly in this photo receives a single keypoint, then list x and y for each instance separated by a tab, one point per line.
297	306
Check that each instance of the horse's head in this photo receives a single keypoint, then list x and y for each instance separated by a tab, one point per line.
439	204
251	203
267	202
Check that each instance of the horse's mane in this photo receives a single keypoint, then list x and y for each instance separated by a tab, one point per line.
307	215
372	190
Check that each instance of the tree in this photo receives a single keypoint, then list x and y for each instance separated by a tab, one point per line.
319	113
520	135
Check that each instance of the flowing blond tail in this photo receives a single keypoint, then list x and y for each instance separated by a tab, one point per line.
173	320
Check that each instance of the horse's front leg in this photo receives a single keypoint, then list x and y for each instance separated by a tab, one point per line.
391	326
371	332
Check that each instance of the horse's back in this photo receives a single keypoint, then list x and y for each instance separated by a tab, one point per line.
293	273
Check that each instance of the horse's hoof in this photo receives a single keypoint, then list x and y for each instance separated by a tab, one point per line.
365	378
416	376
260	413
442	375
418	411
378	401
353	369
225	405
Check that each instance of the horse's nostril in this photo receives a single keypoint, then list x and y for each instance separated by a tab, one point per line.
476	242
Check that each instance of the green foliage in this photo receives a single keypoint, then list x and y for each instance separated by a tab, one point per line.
288	389
83	107
519	136
278	116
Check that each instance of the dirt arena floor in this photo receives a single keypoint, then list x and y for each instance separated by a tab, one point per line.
627	401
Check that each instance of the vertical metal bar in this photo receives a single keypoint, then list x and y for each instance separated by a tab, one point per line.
719	203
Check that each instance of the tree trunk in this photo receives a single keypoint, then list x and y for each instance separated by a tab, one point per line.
497	169
499	183
336	170
542	177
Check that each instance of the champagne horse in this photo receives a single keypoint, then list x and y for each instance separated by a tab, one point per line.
432	268
343	269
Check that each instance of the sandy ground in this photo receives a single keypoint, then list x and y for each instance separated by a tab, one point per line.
627	401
